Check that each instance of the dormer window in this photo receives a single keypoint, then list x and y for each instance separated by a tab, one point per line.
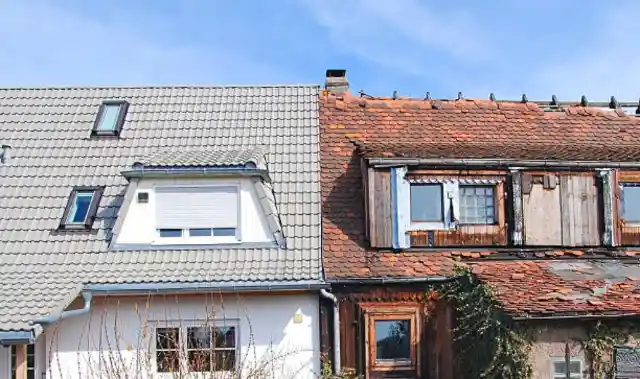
110	118
197	214
81	208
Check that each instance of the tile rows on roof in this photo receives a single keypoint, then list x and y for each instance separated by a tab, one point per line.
49	130
556	287
443	123
201	158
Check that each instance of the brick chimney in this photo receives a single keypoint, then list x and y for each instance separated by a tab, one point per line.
336	81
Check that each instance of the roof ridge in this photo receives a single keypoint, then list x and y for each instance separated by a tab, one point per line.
171	86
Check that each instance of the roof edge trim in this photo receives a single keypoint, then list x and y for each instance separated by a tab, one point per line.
391	162
205	171
196	287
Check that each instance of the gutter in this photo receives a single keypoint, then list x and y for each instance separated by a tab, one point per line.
196	287
336	329
390	162
391	280
576	317
19	337
199	171
86	295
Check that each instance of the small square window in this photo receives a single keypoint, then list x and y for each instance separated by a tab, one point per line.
110	118
630	202
426	202
477	205
81	208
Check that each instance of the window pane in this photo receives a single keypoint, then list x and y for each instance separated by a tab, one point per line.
224	232
109	117
393	339
477	205
631	203
80	207
574	367
559	367
225	337
199	360
426	202
167	361
224	360
167	338
199	338
170	233
200	232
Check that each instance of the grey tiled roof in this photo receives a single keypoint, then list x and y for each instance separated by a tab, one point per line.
42	270
209	157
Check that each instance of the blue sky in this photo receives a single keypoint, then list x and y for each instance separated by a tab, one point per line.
543	47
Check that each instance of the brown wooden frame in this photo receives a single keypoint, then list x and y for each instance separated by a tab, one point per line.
392	311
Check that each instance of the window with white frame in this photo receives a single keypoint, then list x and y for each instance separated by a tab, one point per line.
196	349
447	204
630	202
197	214
566	369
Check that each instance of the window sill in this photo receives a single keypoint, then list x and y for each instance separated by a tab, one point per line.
73	229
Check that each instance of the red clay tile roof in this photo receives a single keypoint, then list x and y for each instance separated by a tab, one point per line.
405	121
373	148
563	287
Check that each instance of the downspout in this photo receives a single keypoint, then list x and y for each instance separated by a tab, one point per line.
336	329
86	295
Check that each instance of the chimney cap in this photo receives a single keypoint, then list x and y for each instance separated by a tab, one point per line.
336	73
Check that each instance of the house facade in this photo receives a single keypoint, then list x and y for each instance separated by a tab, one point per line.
160	232
538	201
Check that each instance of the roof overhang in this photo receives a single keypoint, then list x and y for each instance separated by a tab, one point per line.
20	337
498	163
200	287
204	171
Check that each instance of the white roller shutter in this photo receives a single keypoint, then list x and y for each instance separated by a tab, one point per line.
196	207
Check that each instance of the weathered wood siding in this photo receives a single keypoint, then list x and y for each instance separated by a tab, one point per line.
465	235
563	211
542	215
580	215
436	342
379	206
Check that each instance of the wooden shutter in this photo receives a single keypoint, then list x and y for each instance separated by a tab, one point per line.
379	206
580	216
196	207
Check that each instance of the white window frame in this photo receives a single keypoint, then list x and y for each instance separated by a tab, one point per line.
563	360
186	239
622	186
451	190
182	337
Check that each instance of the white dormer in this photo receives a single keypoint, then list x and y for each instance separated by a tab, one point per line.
215	199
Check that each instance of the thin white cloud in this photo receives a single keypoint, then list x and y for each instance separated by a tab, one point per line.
44	44
403	34
599	68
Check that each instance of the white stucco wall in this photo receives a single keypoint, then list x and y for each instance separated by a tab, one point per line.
139	220
119	333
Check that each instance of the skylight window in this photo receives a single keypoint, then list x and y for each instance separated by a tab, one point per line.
110	119
81	208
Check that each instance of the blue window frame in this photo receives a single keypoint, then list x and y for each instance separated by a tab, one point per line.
110	119
81	208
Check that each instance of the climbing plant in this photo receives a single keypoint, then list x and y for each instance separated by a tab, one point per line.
488	344
600	341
